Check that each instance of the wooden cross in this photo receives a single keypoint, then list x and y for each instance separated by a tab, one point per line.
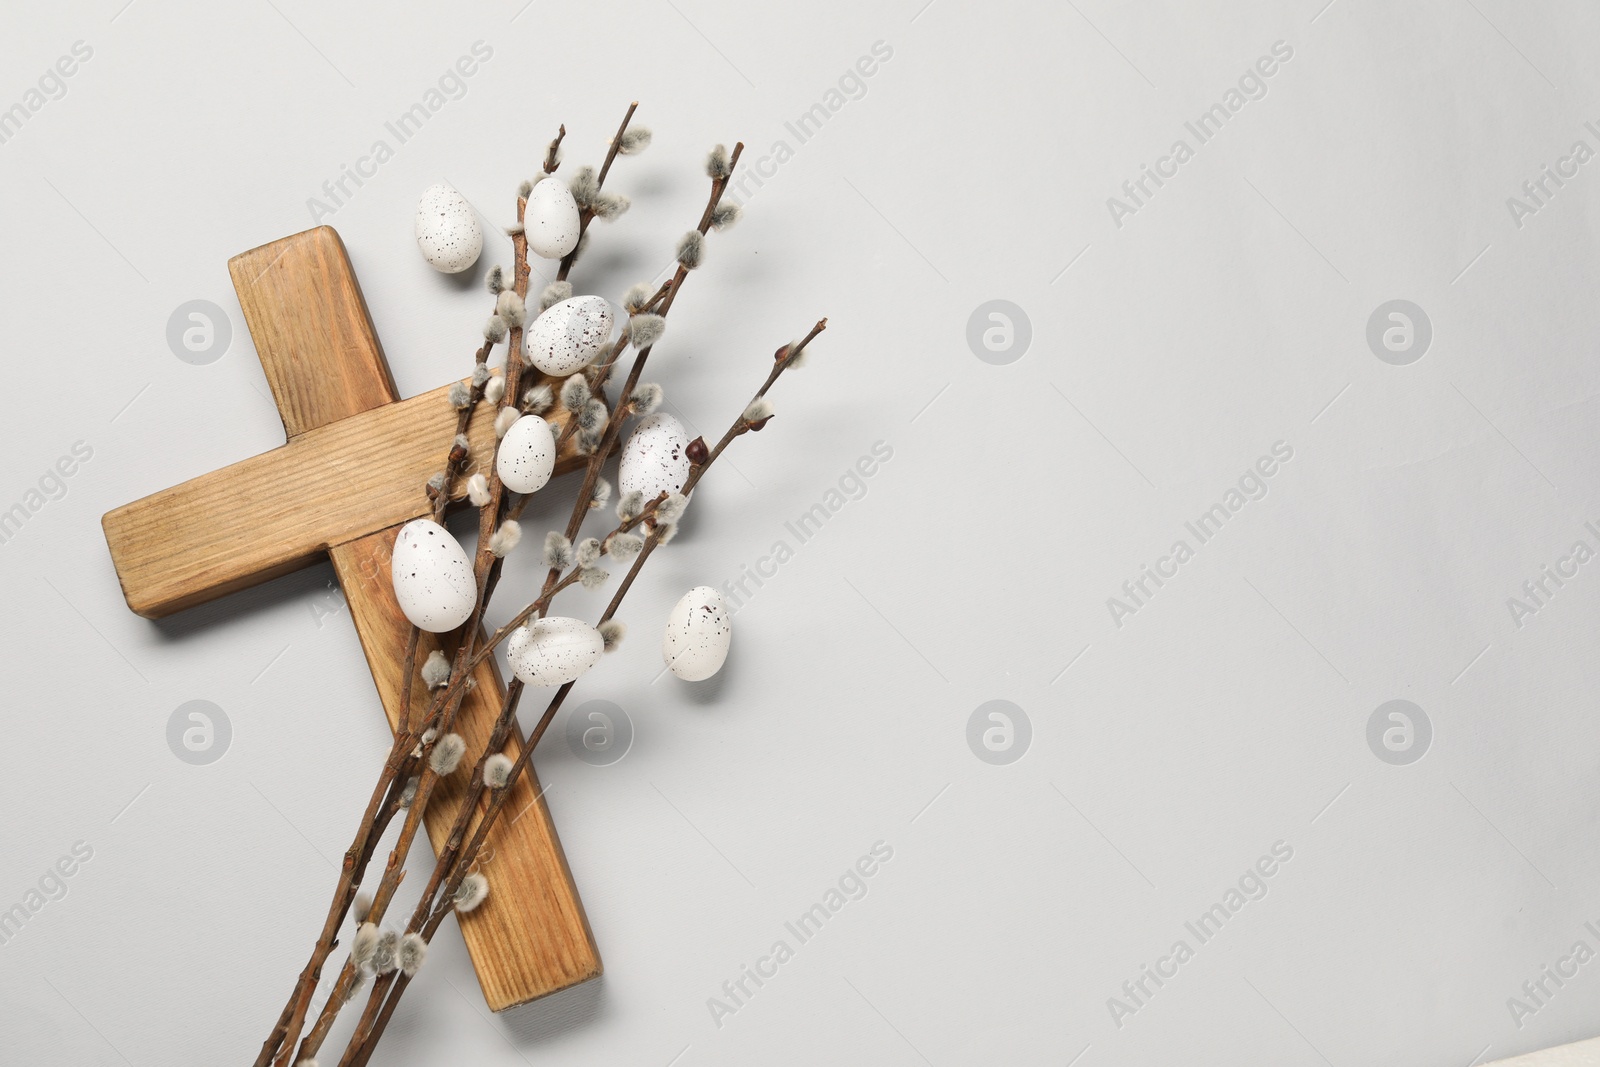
350	475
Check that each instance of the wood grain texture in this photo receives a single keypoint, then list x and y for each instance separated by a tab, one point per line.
277	512
351	473
311	329
356	457
530	937
281	510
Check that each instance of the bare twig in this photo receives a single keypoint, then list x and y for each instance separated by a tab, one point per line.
437	900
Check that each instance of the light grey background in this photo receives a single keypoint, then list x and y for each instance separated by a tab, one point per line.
1168	353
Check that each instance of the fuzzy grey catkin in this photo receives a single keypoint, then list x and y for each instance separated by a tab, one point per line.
557	550
364	944
717	164
672	508
592	419
610	205
471	892
584	186
588	552
509	306
447	753
798	352
386	957
635	139
637	296
497	770
413	950
692	249
646	398
537	400
575	393
646	329
506	538
624	546
436	669
553	294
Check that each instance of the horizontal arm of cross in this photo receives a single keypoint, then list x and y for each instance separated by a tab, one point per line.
282	510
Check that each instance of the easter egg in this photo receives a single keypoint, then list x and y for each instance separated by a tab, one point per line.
551	219
655	457
527	455
699	631
567	336
553	651
432	577
447	230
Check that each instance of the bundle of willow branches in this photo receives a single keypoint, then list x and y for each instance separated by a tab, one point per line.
568	395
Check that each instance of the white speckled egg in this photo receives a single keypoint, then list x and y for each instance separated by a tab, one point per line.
655	457
699	631
551	220
447	230
527	455
567	336
553	651
432	577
